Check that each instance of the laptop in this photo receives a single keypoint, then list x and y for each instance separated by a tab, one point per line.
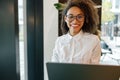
70	71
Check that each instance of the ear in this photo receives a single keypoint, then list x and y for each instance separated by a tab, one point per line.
65	18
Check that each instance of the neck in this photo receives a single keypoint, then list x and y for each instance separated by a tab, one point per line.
73	33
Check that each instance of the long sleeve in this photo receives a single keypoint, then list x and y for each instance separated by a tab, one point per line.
96	54
55	56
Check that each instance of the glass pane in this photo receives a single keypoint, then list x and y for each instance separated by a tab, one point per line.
110	32
21	38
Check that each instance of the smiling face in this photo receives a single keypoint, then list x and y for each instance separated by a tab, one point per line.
75	20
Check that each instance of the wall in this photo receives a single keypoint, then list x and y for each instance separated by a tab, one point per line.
50	30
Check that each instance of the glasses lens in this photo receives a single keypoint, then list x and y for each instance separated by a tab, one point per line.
70	17
80	17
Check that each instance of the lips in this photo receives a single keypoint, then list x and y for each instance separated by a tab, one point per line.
75	25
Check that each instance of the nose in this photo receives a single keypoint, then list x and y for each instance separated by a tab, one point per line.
75	20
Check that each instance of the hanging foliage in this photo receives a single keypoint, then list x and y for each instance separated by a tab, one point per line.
107	14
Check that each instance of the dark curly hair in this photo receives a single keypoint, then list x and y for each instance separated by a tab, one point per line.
91	15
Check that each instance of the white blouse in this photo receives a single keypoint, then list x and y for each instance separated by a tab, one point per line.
82	48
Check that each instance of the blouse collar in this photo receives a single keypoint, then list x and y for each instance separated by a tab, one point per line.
77	36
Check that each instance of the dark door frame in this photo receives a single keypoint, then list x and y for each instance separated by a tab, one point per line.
9	40
35	39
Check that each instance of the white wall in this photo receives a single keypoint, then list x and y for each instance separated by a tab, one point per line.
50	30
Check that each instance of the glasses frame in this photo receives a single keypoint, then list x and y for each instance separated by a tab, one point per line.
78	17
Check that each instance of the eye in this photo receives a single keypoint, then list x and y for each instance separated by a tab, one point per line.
70	16
79	16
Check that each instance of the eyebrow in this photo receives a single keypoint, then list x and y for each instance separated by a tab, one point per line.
77	14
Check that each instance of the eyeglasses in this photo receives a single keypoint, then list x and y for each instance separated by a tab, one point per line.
78	17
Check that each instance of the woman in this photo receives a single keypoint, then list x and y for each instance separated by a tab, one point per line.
80	42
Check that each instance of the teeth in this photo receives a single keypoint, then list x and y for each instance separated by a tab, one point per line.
75	25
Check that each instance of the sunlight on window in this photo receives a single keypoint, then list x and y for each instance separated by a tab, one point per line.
21	38
110	31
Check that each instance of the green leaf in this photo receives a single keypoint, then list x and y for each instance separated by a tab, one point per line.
59	6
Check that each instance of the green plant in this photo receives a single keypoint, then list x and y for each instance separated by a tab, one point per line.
59	6
107	14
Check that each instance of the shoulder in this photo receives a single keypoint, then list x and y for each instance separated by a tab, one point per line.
61	38
91	37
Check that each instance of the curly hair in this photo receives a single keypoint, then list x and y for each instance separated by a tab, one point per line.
91	15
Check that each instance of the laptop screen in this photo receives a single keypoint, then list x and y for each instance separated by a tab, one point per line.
69	71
